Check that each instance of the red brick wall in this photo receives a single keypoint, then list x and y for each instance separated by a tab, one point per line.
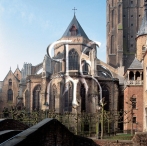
136	91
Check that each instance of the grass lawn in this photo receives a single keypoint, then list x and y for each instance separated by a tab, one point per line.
120	137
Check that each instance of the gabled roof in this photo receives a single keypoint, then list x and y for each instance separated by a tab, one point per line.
80	31
143	27
136	64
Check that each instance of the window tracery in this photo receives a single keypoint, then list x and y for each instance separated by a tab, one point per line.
68	98
52	98
73	60
36	97
10	95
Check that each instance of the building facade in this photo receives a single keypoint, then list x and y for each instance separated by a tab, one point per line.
73	79
123	22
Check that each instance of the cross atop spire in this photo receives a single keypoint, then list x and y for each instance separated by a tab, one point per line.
74	10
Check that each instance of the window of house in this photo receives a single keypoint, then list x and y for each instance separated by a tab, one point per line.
10	82
133	103
131	75
85	68
52	98
83	98
36	97
131	15
131	3
10	95
131	24
134	119
68	97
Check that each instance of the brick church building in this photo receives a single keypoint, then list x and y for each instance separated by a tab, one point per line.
72	79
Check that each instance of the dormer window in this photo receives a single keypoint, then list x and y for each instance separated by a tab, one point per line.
73	30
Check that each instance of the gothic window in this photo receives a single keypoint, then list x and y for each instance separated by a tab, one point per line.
73	60
83	98
112	21
119	13
73	30
68	98
85	68
112	45
105	95
27	105
113	18
52	98
10	82
10	95
36	97
133	100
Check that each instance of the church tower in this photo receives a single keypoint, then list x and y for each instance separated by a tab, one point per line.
123	22
141	38
133	97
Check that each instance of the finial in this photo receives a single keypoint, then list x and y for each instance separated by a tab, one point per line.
17	66
74	10
10	67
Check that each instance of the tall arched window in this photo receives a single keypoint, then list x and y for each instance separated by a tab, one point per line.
112	45
73	60
119	13
10	82
83	98
36	97
131	75
27	104
112	17
68	98
10	95
85	68
52	98
105	95
138	77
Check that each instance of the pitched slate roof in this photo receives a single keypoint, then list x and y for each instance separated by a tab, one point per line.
80	31
136	64
143	27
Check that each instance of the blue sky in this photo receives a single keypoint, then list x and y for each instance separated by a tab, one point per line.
27	27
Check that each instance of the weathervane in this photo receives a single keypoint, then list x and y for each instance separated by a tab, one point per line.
74	10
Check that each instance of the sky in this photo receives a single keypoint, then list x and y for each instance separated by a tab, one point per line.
27	27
